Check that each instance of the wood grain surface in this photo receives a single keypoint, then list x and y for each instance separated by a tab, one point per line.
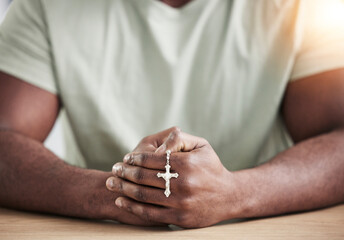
321	224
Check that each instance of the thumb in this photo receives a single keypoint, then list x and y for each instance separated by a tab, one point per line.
178	141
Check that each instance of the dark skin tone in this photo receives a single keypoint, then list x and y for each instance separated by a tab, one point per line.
307	176
27	115
33	178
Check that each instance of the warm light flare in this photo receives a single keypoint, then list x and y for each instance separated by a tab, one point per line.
332	15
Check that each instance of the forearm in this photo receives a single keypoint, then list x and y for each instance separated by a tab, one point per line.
33	178
307	176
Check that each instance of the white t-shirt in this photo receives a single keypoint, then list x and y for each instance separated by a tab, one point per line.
218	69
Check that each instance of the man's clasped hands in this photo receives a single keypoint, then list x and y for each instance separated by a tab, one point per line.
204	193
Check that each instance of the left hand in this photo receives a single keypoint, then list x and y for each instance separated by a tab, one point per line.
200	195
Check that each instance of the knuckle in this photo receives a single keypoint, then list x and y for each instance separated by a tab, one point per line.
145	214
145	140
185	203
183	219
176	129
192	161
139	175
175	134
143	158
139	158
204	141
127	206
188	186
188	160
120	185
139	195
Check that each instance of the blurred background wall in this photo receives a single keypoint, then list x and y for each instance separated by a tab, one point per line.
55	141
3	6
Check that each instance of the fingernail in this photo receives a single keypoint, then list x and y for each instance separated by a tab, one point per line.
110	183
117	168
127	158
118	203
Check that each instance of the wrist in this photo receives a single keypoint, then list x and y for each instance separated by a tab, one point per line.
243	192
239	200
92	198
229	195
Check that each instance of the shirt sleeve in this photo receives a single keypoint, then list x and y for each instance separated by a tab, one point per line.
24	45
322	31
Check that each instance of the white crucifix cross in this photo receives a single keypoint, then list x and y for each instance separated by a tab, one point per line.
167	175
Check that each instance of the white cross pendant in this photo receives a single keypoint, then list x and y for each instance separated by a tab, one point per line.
167	175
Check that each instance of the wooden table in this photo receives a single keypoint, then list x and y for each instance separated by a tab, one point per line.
322	224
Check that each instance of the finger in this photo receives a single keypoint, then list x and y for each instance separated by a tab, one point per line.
132	219
139	193
145	147
146	212
152	142
146	160
178	141
139	175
